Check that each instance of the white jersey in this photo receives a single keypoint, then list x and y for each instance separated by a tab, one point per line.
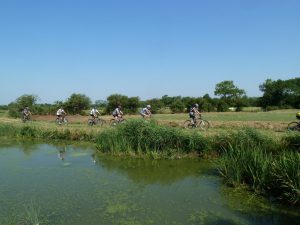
60	112
117	112
145	111
94	112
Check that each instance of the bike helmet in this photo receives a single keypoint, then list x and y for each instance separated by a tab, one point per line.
298	115
196	105
148	106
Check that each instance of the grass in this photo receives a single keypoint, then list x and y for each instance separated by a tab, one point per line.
139	136
274	116
271	174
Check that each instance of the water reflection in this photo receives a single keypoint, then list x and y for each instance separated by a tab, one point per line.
147	171
61	153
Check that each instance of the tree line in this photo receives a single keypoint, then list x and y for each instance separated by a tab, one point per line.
277	94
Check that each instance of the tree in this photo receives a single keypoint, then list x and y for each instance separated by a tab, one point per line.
76	103
177	106
155	103
280	93
20	103
100	103
129	105
228	91
133	104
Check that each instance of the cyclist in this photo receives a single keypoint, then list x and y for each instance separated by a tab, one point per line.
145	112
194	111
117	113
26	113
61	114
94	113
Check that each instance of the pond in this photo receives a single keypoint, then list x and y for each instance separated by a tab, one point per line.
67	183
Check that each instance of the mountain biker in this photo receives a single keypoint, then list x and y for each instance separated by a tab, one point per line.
145	112
194	111
61	114
26	112
94	113
117	113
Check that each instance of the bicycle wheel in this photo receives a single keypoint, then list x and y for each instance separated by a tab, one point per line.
113	122
24	119
66	121
58	121
293	126
90	122
188	124
101	122
203	124
123	121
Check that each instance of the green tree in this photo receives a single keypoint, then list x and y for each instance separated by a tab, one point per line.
129	105
20	103
100	103
280	93
155	103
133	104
222	106
228	91
76	103
177	106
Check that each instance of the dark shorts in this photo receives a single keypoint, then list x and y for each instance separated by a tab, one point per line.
192	115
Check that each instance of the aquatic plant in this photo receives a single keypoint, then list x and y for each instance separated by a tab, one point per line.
32	215
141	137
286	177
265	172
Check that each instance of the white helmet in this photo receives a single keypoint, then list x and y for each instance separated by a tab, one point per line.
148	106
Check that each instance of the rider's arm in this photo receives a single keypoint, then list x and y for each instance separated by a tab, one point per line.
198	113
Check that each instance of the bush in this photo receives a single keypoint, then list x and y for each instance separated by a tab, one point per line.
177	106
222	106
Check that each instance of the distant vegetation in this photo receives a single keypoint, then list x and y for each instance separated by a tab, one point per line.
280	94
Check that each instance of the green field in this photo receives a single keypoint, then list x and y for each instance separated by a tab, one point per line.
276	116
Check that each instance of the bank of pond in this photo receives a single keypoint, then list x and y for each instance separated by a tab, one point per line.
264	164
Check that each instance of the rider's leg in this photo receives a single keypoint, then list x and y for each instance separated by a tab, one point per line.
193	121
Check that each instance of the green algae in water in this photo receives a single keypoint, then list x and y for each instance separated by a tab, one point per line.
121	190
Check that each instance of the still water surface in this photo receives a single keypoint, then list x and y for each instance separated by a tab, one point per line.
68	184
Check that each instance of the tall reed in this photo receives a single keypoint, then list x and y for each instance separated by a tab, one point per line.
143	136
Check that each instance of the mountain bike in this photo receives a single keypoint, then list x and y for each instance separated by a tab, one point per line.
293	126
61	120
26	118
199	123
96	121
114	122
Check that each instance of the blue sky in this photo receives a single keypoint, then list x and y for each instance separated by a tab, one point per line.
144	48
